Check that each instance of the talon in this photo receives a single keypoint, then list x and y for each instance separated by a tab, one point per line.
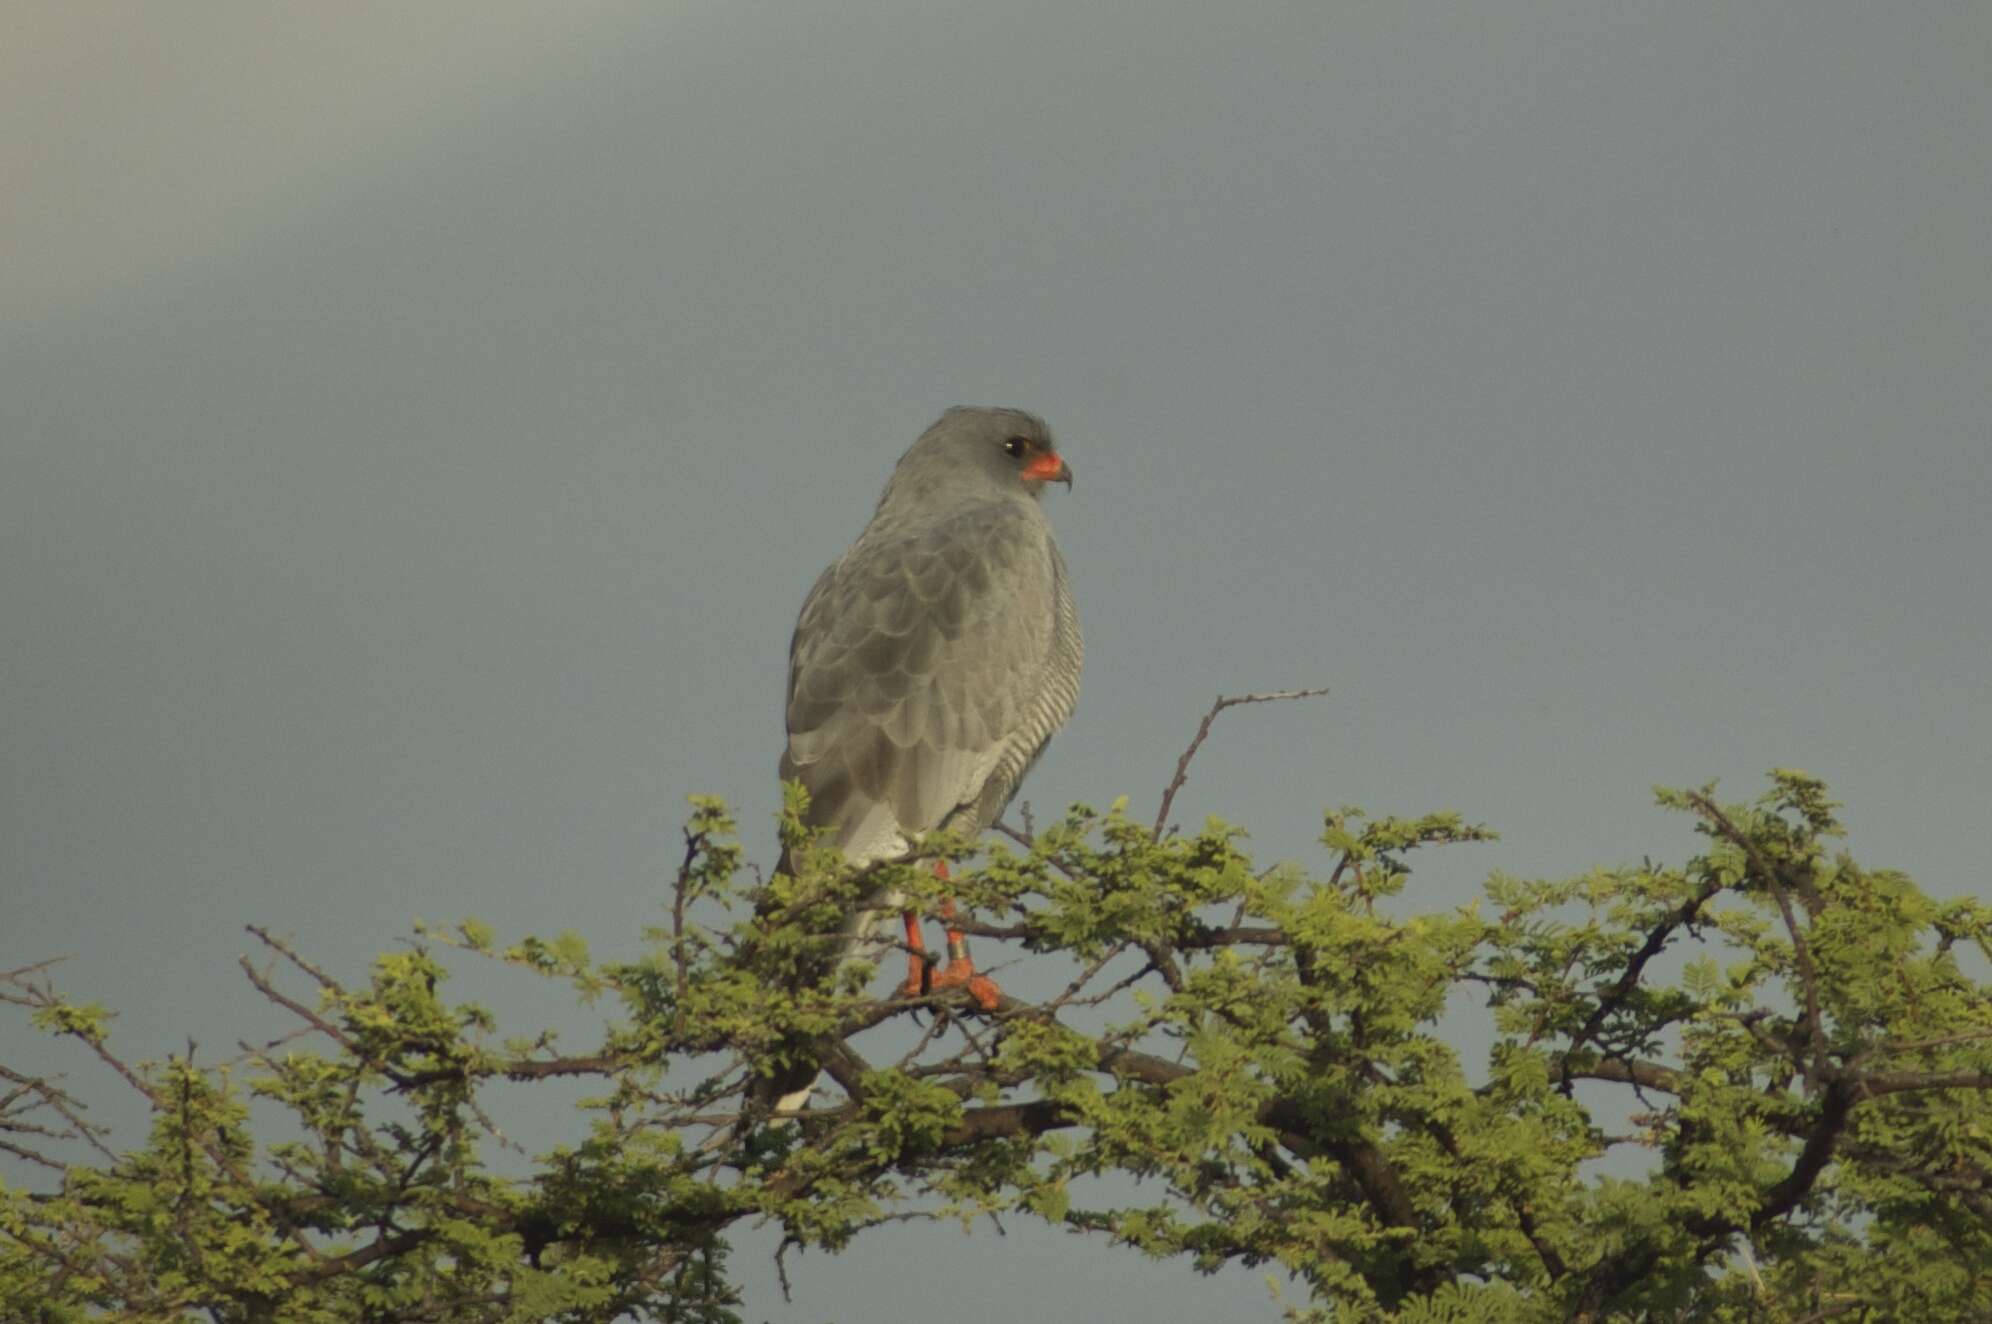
923	980
961	972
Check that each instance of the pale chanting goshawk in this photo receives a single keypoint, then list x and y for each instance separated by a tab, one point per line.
934	659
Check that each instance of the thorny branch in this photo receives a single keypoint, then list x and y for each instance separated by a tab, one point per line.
1635	969
965	1055
1203	731
1768	874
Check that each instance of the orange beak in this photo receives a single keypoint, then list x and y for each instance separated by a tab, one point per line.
1049	468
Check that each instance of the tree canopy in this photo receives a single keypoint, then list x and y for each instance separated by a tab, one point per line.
1794	1125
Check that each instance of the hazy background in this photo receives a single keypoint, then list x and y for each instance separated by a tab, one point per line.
419	425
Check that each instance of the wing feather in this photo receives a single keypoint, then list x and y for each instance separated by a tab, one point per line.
914	668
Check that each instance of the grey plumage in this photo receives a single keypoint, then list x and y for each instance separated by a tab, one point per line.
934	659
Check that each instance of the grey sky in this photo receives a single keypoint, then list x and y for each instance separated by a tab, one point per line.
418	426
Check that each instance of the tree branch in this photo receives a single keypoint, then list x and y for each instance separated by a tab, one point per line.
1801	950
1203	730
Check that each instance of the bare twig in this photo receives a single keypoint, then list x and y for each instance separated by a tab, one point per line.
694	842
1027	835
1085	976
58	1101
289	953
1021	838
20	975
307	1015
781	1268
1203	730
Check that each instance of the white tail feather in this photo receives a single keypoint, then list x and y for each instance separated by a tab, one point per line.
789	1103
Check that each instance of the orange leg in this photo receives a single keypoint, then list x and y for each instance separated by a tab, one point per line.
916	957
960	968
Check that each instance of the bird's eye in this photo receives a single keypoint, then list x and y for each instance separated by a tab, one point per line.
1016	446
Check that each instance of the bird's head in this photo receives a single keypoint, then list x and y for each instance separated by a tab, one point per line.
1007	450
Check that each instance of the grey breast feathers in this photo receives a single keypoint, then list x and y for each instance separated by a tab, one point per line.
928	668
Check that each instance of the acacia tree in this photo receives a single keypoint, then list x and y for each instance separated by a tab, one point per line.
1809	1100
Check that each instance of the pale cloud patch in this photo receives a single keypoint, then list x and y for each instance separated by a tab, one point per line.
141	137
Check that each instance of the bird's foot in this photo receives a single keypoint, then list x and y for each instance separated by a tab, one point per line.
922	980
927	981
960	972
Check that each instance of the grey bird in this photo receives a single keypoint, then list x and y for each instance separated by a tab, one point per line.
935	658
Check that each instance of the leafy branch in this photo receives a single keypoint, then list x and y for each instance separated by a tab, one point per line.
1799	1122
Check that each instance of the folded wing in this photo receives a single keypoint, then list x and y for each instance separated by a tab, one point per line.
923	675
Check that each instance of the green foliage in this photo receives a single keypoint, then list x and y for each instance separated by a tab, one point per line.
1795	1128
